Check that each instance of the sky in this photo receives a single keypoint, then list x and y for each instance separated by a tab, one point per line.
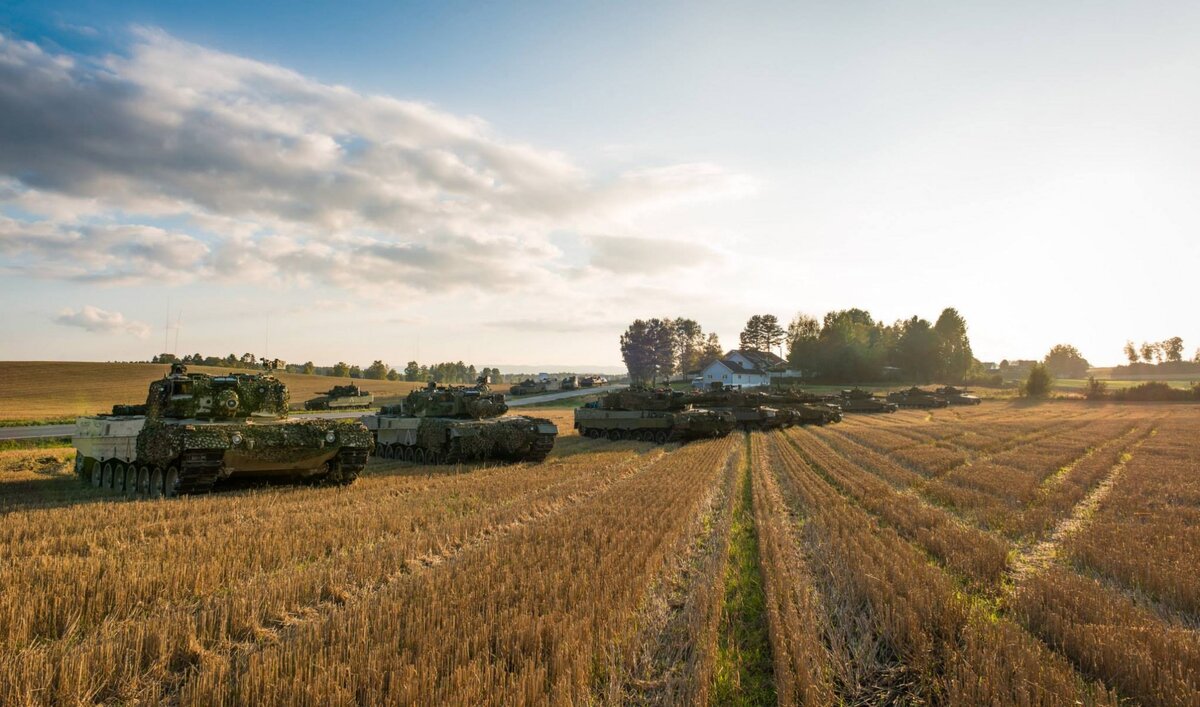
513	183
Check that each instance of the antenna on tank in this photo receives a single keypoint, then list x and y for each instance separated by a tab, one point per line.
178	326
167	325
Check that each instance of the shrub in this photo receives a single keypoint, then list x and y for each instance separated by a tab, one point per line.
1038	384
1096	389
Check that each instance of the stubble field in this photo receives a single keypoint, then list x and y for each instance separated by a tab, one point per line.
1004	554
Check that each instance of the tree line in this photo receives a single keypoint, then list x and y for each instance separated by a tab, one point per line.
1157	352
655	349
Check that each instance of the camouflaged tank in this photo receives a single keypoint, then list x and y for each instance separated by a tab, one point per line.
859	400
749	409
341	397
958	396
447	425
804	408
915	397
529	387
658	416
196	431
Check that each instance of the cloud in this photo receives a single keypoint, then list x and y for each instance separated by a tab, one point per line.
626	254
272	175
557	326
100	321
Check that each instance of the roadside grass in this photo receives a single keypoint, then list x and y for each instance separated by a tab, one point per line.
41	443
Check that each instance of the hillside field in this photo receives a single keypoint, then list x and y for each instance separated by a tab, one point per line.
38	390
1009	553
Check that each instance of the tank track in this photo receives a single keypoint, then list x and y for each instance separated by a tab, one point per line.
348	464
540	449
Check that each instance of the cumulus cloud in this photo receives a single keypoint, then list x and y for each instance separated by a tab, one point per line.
273	175
101	321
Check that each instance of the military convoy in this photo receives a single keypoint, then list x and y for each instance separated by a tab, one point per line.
447	425
647	415
196	431
341	397
529	386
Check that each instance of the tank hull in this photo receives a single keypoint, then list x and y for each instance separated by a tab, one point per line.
654	425
342	402
444	440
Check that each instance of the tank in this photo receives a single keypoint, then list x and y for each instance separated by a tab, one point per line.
747	408
197	431
859	400
592	381
569	383
529	386
810	409
658	416
958	396
915	397
452	424
341	397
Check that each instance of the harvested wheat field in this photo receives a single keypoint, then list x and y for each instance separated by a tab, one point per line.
1001	554
38	390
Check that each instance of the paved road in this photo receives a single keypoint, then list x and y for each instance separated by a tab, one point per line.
44	431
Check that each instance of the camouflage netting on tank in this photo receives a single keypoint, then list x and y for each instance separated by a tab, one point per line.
511	436
161	442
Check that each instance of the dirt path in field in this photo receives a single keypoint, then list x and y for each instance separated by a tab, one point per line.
1040	555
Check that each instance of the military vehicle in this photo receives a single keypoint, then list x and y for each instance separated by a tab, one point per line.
448	425
341	397
747	408
658	416
529	386
859	400
196	431
569	383
809	408
915	397
958	396
592	381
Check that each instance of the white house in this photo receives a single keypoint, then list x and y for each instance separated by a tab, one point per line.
743	368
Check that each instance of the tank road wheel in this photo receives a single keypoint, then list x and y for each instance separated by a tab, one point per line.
171	482
80	464
95	474
106	476
419	456
143	481
660	437
614	435
432	458
131	480
118	482
156	483
392	452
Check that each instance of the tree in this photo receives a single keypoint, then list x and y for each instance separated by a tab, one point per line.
309	368
751	338
1039	381
1196	358
356	372
954	348
713	351
248	359
803	334
1065	361
688	343
377	371
341	370
412	372
773	335
1131	352
648	349
1147	351
392	375
1172	348
1096	389
917	349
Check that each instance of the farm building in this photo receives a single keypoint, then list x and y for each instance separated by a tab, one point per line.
742	367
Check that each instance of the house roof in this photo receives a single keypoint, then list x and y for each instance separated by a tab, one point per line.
735	367
761	359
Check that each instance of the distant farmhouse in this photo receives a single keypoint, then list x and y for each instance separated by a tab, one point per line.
745	368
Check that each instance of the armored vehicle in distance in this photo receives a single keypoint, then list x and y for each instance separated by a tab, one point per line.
658	416
915	397
958	396
809	409
196	431
592	381
448	425
529	386
341	397
859	400
569	383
